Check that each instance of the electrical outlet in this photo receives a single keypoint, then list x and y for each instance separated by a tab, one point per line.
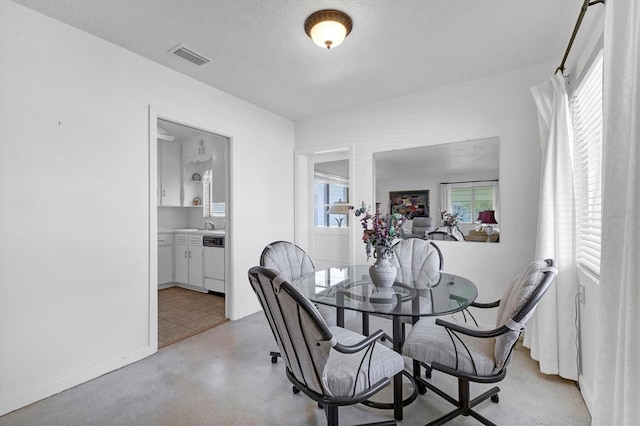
581	293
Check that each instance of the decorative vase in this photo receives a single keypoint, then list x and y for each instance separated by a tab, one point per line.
382	272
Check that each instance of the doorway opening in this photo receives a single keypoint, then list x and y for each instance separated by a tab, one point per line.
330	223
192	204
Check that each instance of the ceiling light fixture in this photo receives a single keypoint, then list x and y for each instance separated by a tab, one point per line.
328	28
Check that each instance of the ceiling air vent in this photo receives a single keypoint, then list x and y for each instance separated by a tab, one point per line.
189	55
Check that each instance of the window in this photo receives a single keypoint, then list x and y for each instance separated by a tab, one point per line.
325	194
467	200
210	209
331	194
586	110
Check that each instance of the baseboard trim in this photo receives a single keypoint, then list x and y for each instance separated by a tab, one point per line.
38	393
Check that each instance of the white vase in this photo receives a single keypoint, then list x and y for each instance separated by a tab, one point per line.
382	272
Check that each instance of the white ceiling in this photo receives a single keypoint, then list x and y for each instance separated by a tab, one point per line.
261	53
478	157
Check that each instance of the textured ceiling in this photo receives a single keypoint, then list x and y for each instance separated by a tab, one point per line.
476	157
261	53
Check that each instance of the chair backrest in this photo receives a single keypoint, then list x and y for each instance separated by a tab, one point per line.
288	259
422	224
518	304
416	253
303	337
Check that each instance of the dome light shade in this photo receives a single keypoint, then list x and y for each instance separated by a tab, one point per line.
328	28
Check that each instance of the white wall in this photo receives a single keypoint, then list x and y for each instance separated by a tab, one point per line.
499	105
77	227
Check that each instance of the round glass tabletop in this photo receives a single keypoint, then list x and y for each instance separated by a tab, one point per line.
414	293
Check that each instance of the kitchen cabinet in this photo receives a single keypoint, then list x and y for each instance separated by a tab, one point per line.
169	180
165	257
188	259
199	149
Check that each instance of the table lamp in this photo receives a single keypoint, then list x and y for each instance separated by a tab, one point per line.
341	208
488	219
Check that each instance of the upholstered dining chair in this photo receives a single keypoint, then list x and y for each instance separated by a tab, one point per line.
292	262
331	365
415	254
472	354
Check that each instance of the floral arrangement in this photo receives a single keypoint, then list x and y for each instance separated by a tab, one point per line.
379	230
449	219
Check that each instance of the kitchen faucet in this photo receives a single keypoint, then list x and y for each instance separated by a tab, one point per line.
206	225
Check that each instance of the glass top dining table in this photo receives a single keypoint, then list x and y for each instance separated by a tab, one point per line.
414	294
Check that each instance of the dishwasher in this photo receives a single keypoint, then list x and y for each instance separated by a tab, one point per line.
214	263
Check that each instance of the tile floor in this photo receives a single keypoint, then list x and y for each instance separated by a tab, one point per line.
183	313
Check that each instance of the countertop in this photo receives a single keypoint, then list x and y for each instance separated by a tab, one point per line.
193	231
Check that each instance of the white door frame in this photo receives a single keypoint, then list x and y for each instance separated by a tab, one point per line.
154	115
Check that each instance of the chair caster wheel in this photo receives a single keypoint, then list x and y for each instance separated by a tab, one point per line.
495	398
274	359
422	389
295	390
320	406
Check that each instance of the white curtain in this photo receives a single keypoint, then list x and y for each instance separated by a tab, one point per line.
551	333
445	197
617	382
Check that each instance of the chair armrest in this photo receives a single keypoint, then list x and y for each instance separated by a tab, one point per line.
471	332
366	342
486	305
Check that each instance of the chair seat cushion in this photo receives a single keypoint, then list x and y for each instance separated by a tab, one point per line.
428	342
346	375
330	316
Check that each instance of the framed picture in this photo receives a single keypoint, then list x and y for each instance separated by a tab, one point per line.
410	203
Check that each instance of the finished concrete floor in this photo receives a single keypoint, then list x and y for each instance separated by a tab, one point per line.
224	376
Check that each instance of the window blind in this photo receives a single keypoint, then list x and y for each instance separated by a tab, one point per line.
586	106
468	200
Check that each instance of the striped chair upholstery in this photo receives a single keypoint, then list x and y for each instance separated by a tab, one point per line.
416	254
474	354
332	365
292	263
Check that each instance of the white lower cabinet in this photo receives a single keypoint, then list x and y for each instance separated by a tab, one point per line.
165	257
188	260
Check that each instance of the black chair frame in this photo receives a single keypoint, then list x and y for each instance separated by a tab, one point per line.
275	354
329	403
464	403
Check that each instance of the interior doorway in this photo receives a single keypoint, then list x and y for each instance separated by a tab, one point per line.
330	221
191	201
